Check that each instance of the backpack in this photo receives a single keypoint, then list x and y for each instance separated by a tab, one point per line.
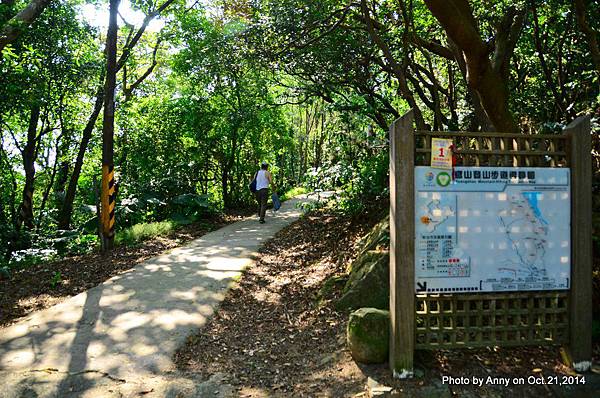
252	185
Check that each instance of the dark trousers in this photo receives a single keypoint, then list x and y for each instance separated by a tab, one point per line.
261	196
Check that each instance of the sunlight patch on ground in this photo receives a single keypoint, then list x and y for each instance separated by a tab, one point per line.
130	320
170	320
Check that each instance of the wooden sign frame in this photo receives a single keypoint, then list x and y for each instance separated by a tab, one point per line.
434	321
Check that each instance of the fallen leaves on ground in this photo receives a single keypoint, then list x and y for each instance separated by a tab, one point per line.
271	335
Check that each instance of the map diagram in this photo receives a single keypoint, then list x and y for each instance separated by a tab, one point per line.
435	215
530	246
492	229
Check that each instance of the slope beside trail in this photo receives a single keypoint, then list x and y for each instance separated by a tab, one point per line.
118	338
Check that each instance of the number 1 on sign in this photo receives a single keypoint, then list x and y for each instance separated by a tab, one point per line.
441	153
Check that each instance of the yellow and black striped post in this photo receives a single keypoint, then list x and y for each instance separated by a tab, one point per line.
108	206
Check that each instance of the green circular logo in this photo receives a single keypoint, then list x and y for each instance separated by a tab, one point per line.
443	179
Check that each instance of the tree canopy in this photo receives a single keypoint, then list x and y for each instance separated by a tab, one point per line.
192	107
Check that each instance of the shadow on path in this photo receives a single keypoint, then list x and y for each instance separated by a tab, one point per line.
126	330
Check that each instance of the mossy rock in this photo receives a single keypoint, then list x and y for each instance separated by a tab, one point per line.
331	285
378	238
368	275
367	335
368	283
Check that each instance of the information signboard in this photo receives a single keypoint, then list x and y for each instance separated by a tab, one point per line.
492	229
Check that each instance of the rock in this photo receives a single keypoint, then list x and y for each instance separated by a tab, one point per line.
368	284
374	389
327	358
330	285
378	236
368	275
215	386
367	335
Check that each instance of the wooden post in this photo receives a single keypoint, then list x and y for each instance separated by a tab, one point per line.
108	131
580	318
402	246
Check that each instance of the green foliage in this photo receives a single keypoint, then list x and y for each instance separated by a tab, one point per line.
81	244
292	192
32	256
309	206
35	248
367	183
56	279
300	84
189	208
140	232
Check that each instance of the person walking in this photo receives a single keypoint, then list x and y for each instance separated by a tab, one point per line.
263	181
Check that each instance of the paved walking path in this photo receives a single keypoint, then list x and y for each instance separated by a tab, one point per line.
118	338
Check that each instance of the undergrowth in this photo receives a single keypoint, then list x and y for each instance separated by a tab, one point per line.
290	193
140	232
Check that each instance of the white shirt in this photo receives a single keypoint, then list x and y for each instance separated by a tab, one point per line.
261	180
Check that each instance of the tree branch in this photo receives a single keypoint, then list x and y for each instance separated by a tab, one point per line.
590	34
490	84
13	28
344	11
128	91
138	35
432	46
397	69
508	33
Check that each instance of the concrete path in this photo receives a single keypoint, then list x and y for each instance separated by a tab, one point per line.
118	338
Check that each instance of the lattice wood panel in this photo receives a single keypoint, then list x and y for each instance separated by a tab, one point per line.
498	150
487	319
493	319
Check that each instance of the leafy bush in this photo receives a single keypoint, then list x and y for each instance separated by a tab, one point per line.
361	179
82	244
45	248
27	257
290	193
328	177
189	207
134	210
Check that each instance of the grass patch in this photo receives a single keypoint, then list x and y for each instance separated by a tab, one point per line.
144	231
290	193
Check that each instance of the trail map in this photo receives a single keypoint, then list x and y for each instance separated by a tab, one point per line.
492	229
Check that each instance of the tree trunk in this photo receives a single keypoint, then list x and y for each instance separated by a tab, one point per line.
49	186
61	183
319	143
228	171
66	212
29	152
487	79
108	131
224	187
590	34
